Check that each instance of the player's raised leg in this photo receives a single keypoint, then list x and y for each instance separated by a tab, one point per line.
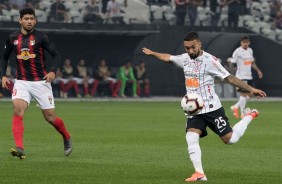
240	127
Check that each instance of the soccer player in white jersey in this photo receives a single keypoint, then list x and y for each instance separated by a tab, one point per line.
243	57
200	68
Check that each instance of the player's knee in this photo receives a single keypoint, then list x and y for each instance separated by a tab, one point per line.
50	118
226	138
192	138
18	112
234	138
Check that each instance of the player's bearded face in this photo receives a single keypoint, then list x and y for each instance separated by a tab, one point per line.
193	48
28	22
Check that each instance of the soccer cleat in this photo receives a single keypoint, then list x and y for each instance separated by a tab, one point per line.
18	152
252	112
197	177
235	111
67	147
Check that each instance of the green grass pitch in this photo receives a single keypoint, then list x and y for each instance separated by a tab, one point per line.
137	143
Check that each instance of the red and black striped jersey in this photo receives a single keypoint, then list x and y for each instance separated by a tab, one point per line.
30	57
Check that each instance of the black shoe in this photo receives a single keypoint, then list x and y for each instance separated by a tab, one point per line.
67	147
18	152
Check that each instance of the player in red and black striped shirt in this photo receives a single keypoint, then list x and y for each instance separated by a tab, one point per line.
33	78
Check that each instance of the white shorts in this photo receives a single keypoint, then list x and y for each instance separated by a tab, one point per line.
39	90
58	80
80	80
111	79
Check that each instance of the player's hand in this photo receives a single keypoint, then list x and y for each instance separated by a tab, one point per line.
5	81
147	51
259	93
260	75
49	77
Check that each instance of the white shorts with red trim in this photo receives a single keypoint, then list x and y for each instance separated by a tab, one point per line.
39	90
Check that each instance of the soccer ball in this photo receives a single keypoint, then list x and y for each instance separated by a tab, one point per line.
192	103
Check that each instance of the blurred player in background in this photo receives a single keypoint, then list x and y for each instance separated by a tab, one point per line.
245	61
200	68
141	79
33	78
126	75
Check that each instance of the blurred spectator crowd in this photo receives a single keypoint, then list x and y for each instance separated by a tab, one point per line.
261	16
86	81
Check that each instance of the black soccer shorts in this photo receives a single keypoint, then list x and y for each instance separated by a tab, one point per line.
217	121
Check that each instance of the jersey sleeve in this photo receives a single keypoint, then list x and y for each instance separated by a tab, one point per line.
50	47
252	54
216	69
178	60
235	56
7	52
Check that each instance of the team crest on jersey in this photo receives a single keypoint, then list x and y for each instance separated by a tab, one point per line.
197	66
25	55
32	42
16	42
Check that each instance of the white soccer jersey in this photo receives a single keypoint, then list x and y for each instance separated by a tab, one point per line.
244	59
199	77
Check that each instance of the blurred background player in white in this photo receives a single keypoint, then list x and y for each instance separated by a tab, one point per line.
245	61
200	68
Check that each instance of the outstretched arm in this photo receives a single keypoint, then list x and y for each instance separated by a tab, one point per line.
256	68
161	56
238	83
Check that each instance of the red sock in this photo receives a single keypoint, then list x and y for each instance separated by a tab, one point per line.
18	130
60	127
94	87
85	89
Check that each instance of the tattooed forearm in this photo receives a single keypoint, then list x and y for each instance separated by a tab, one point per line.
238	83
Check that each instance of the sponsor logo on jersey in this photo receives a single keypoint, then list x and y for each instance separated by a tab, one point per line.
247	62
32	42
25	55
16	42
189	74
192	82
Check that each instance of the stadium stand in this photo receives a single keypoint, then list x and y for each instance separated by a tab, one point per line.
260	20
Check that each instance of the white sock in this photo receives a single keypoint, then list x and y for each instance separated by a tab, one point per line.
243	101
239	129
237	104
194	150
